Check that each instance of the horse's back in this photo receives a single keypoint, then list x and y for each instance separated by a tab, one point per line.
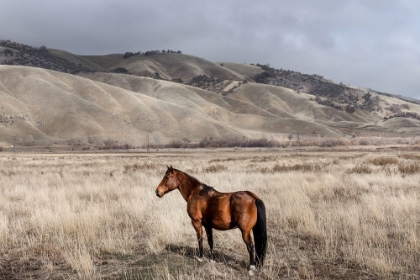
242	198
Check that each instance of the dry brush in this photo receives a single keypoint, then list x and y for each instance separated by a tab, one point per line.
331	215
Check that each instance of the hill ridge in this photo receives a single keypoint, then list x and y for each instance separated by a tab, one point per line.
186	98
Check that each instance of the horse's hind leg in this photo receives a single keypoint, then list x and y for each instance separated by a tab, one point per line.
209	232
246	236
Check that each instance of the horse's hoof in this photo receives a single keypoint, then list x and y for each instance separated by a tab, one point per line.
252	267
251	272
199	259
212	261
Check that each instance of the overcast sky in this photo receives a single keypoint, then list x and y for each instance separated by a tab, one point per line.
369	43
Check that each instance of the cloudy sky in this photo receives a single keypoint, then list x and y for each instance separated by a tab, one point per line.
369	43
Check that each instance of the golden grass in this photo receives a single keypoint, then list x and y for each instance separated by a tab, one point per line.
97	217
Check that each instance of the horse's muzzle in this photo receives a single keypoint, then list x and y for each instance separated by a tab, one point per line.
157	194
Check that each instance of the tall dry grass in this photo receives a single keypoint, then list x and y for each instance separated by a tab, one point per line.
97	217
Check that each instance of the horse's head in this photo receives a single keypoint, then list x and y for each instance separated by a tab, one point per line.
169	182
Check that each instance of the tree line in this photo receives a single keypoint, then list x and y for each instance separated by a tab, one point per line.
147	53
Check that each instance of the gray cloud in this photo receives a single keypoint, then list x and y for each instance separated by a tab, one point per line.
369	43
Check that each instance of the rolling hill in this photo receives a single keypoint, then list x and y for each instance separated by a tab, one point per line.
52	96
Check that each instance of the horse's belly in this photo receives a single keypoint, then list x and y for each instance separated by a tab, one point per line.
222	224
223	227
217	213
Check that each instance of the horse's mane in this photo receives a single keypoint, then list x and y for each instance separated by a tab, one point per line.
207	188
189	176
195	180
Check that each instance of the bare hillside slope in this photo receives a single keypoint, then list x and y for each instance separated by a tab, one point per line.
41	105
245	109
173	96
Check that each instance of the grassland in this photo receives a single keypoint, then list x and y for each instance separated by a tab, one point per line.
331	215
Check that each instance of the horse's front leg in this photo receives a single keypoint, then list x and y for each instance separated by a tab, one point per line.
209	232
197	224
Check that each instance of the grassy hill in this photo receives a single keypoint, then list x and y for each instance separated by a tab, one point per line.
171	96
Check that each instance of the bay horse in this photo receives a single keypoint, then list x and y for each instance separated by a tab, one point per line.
211	209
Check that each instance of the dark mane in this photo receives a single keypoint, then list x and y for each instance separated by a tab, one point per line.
207	188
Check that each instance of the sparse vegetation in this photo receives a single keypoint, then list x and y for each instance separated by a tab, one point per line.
333	142
121	70
304	167
147	53
205	82
338	96
39	57
210	142
362	168
215	168
156	143
409	168
383	161
411	115
97	217
139	167
312	84
177	144
111	144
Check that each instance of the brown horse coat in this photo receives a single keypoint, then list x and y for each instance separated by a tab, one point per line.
211	209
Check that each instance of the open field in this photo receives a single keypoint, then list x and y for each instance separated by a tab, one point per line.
331	215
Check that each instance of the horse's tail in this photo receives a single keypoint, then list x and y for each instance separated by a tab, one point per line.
260	233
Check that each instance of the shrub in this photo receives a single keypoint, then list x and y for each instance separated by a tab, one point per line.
305	167
250	143
75	142
215	168
121	70
382	161
409	168
364	142
176	144
179	80
114	144
128	54
410	156
361	169
350	108
394	108
8	52
139	167
332	142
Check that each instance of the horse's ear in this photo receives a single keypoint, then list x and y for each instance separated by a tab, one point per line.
170	168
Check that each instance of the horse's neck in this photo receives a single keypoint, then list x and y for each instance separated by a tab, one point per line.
187	185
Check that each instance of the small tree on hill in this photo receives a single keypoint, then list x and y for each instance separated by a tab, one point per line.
367	101
350	108
121	70
128	54
43	49
8	52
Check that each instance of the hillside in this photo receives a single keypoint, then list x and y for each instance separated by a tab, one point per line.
171	96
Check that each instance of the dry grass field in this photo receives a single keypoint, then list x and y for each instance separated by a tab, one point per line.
331	215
